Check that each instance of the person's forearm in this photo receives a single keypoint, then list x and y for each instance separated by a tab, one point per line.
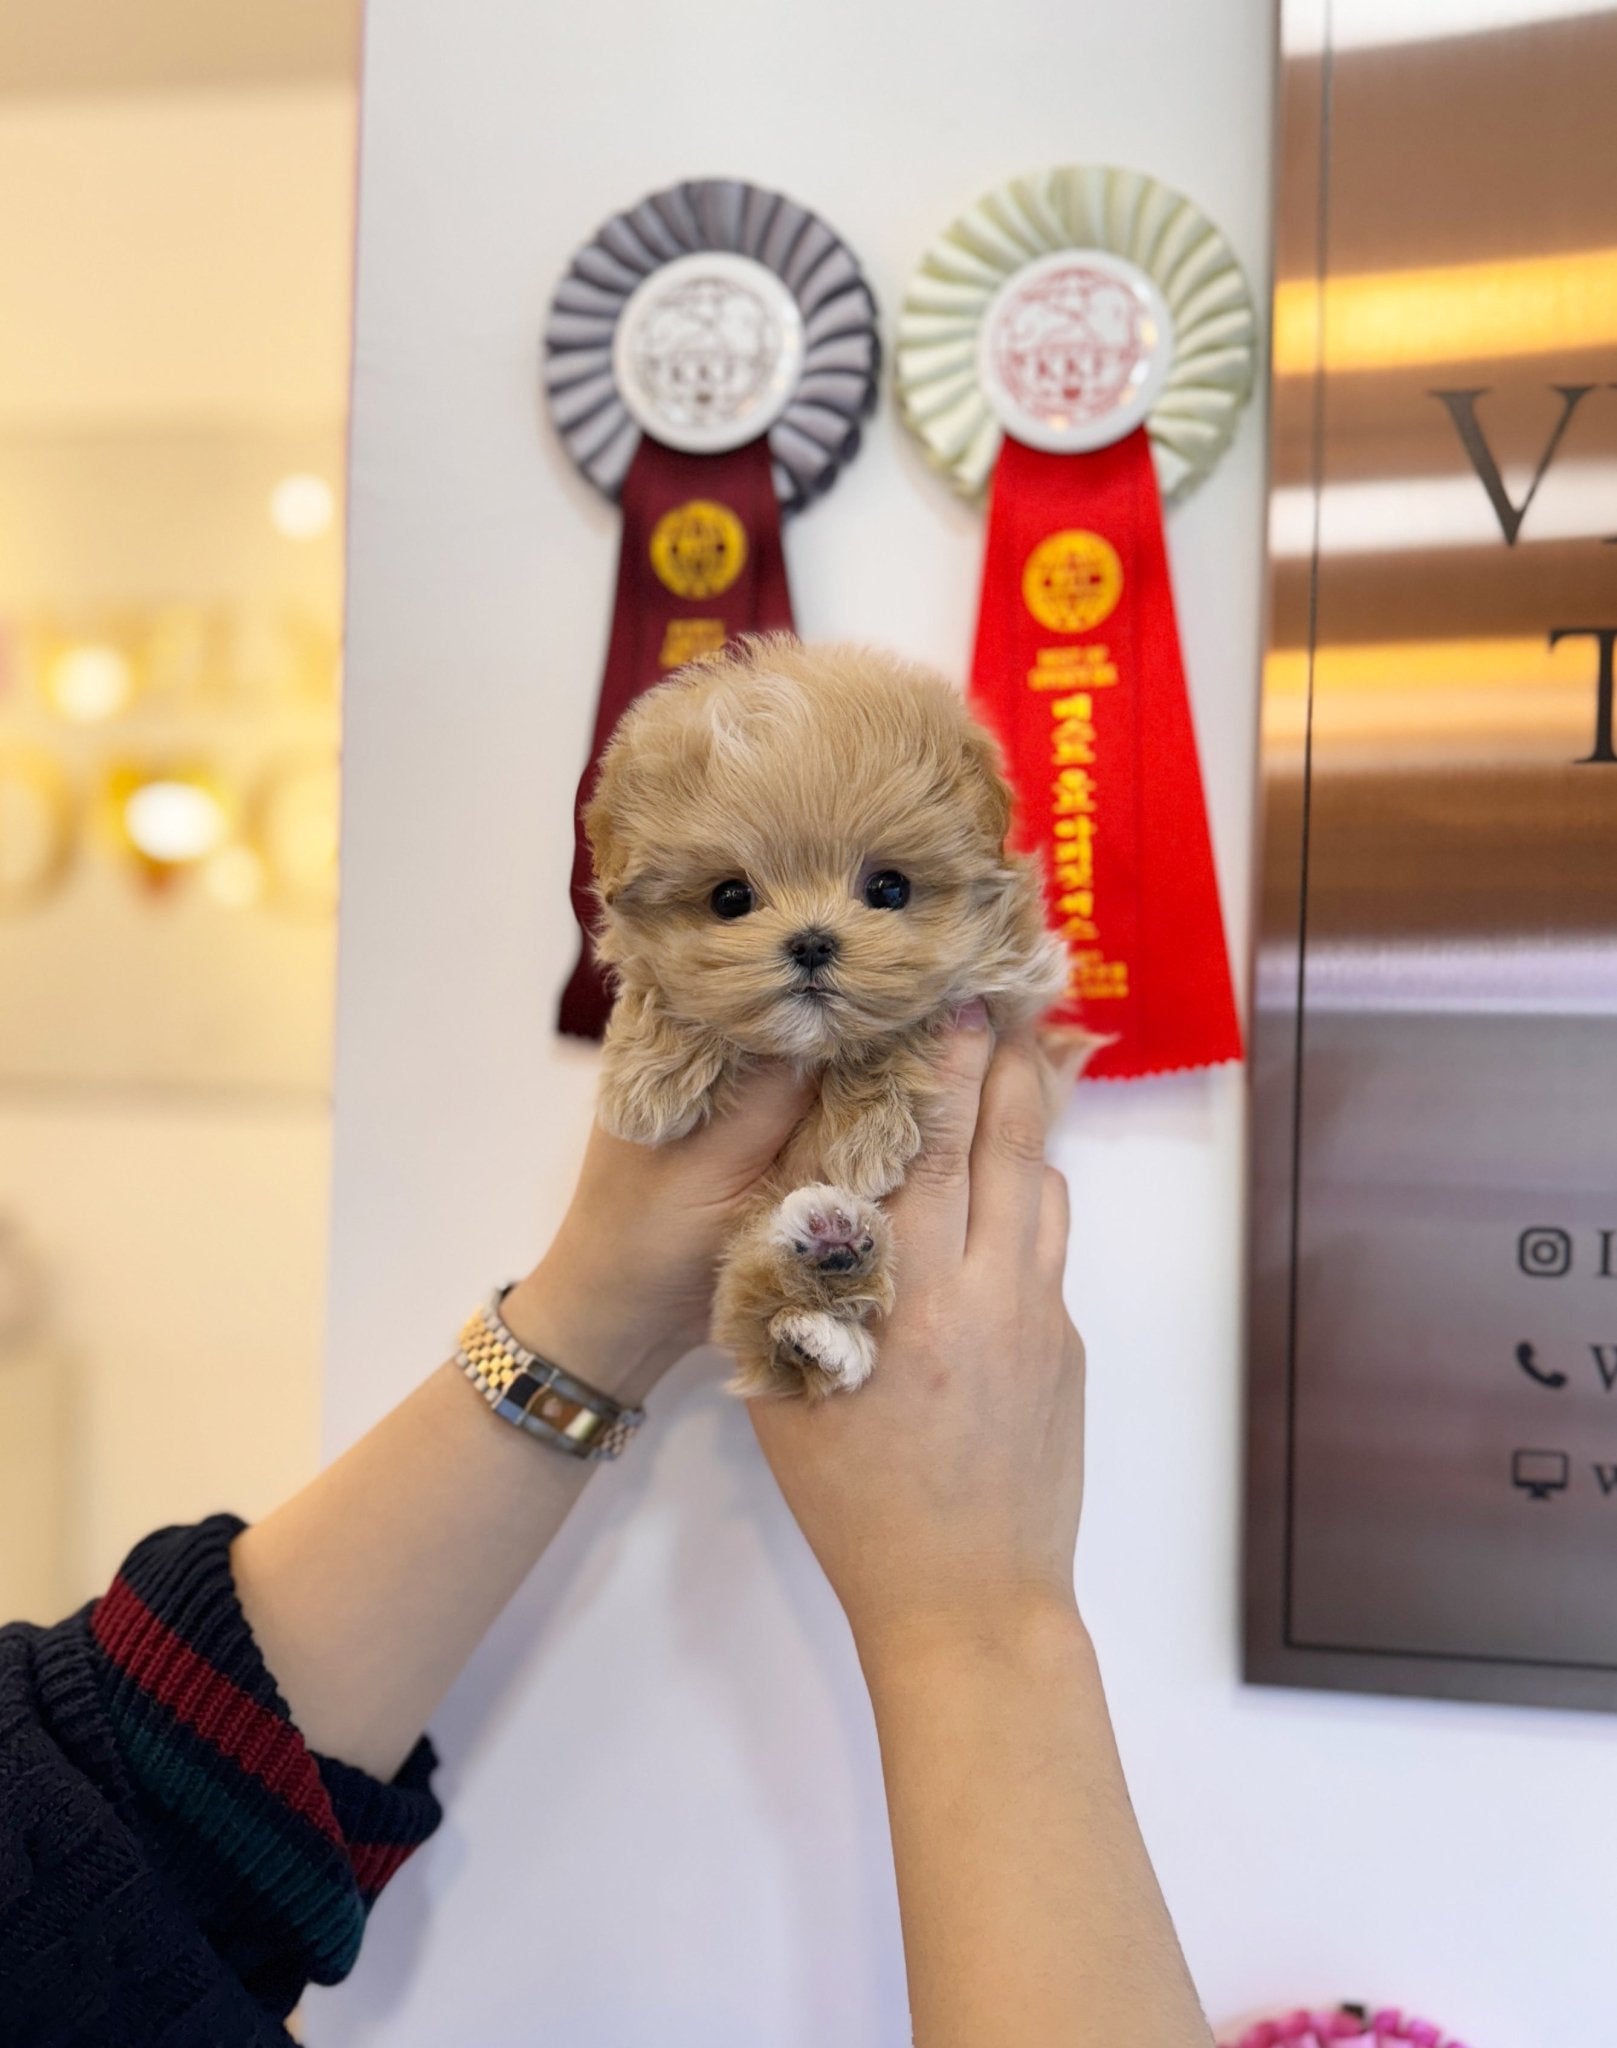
1032	1917
369	1589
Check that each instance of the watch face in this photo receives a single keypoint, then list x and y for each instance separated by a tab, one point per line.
1074	350
708	351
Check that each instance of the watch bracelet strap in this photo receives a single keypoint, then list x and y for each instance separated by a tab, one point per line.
537	1394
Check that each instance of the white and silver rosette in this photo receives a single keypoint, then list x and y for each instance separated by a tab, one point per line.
1069	307
710	314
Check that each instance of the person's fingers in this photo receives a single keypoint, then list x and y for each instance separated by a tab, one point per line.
930	1210
1007	1155
740	1140
1054	1222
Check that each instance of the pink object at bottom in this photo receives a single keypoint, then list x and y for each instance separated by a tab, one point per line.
1344	2028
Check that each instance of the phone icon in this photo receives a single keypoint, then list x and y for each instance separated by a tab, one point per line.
1527	1359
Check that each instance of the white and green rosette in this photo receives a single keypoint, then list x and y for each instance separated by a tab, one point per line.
1068	307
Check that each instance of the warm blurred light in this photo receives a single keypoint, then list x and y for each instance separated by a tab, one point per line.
36	825
178	648
1498	697
302	506
295	828
1380	320
89	682
234	877
173	822
1399	665
308	842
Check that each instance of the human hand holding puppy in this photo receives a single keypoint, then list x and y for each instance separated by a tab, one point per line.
800	856
943	1507
626	1287
944	1502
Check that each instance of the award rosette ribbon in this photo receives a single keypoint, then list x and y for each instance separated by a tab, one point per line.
1079	344
709	357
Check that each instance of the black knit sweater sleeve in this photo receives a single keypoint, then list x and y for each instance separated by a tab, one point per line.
176	1864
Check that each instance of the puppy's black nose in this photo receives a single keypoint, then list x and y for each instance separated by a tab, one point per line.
812	950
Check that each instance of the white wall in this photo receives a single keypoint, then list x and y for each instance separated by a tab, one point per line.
666	1820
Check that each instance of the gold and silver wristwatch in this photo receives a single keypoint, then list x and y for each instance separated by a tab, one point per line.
537	1395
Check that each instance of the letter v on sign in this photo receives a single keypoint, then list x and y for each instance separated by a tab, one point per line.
1461	407
1605	1357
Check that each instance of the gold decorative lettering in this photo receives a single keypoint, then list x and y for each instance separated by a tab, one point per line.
685	639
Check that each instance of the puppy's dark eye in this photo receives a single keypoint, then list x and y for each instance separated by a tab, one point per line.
731	899
887	890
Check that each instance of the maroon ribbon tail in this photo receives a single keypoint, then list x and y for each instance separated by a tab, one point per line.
700	564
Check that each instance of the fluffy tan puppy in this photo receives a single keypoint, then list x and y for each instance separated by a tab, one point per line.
800	855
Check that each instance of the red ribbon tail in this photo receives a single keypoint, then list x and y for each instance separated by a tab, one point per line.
1077	666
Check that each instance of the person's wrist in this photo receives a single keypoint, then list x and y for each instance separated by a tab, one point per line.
1020	1628
586	1325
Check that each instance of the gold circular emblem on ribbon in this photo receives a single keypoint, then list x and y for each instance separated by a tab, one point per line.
1072	581
698	549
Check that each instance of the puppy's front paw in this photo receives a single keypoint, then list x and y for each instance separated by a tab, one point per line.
838	1354
797	1290
834	1234
657	1076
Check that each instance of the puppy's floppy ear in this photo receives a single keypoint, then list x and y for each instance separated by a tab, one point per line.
983	781
604	831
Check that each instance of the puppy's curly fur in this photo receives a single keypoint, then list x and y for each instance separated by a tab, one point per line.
806	779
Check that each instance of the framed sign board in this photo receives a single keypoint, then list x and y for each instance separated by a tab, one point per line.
1433	1406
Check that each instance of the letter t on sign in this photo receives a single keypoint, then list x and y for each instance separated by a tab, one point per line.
1606	636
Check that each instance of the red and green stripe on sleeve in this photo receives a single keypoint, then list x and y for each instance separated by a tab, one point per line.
278	1852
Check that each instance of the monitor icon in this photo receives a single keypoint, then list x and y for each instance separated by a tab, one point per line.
1541	1474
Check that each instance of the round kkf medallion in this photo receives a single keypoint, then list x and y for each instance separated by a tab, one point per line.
708	351
1069	348
712	313
1074	350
